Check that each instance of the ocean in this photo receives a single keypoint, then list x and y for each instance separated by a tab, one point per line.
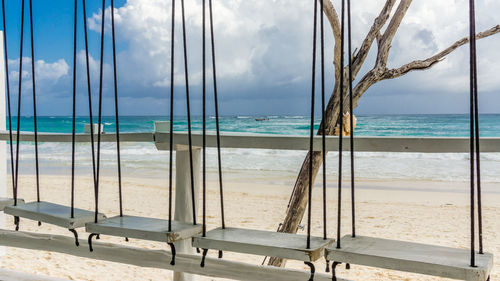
143	160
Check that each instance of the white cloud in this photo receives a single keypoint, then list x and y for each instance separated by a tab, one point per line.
263	49
257	41
267	43
51	71
47	73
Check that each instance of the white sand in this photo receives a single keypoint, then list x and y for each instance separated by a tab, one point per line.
383	210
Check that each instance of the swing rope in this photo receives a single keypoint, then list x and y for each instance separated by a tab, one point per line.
323	115
341	105
204	156
19	102
351	120
476	126
6	57
475	153
217	125
99	120
216	105
186	76
34	103
117	123
311	131
171	155
73	135
89	89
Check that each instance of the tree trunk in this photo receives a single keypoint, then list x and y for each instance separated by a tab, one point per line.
299	198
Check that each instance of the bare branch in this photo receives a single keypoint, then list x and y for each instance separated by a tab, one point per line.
333	18
379	22
390	32
429	62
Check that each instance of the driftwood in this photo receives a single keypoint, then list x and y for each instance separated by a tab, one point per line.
380	72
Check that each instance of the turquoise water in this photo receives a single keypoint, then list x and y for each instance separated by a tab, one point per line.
368	125
144	160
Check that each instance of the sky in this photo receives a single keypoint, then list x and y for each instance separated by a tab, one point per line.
263	51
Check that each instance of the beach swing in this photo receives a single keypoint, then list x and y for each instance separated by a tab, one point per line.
145	228
304	248
41	211
4	202
407	256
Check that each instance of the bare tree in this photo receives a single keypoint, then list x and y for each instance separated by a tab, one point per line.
379	72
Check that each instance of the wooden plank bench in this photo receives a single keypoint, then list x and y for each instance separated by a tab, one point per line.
54	214
411	257
4	202
51	213
263	243
143	228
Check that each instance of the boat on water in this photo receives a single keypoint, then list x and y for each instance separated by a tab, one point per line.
262	119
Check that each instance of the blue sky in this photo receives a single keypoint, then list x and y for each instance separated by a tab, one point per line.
263	52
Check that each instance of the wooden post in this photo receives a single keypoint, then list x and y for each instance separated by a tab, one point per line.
3	151
183	210
86	128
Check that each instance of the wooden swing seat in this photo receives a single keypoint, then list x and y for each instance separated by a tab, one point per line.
51	213
411	257
144	228
263	243
4	202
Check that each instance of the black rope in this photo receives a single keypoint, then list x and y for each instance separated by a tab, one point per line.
99	113
323	115
216	101
204	156
473	115
89	89
73	136
311	137
351	120
33	79
6	59
117	121
171	155
19	101
188	113
341	115
477	137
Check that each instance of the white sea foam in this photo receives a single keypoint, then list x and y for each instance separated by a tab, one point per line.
143	158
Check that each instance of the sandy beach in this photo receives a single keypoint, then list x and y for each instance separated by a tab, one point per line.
384	209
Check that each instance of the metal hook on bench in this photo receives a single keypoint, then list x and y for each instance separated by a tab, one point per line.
334	266
204	255
16	223
90	241
172	250
313	269
77	243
